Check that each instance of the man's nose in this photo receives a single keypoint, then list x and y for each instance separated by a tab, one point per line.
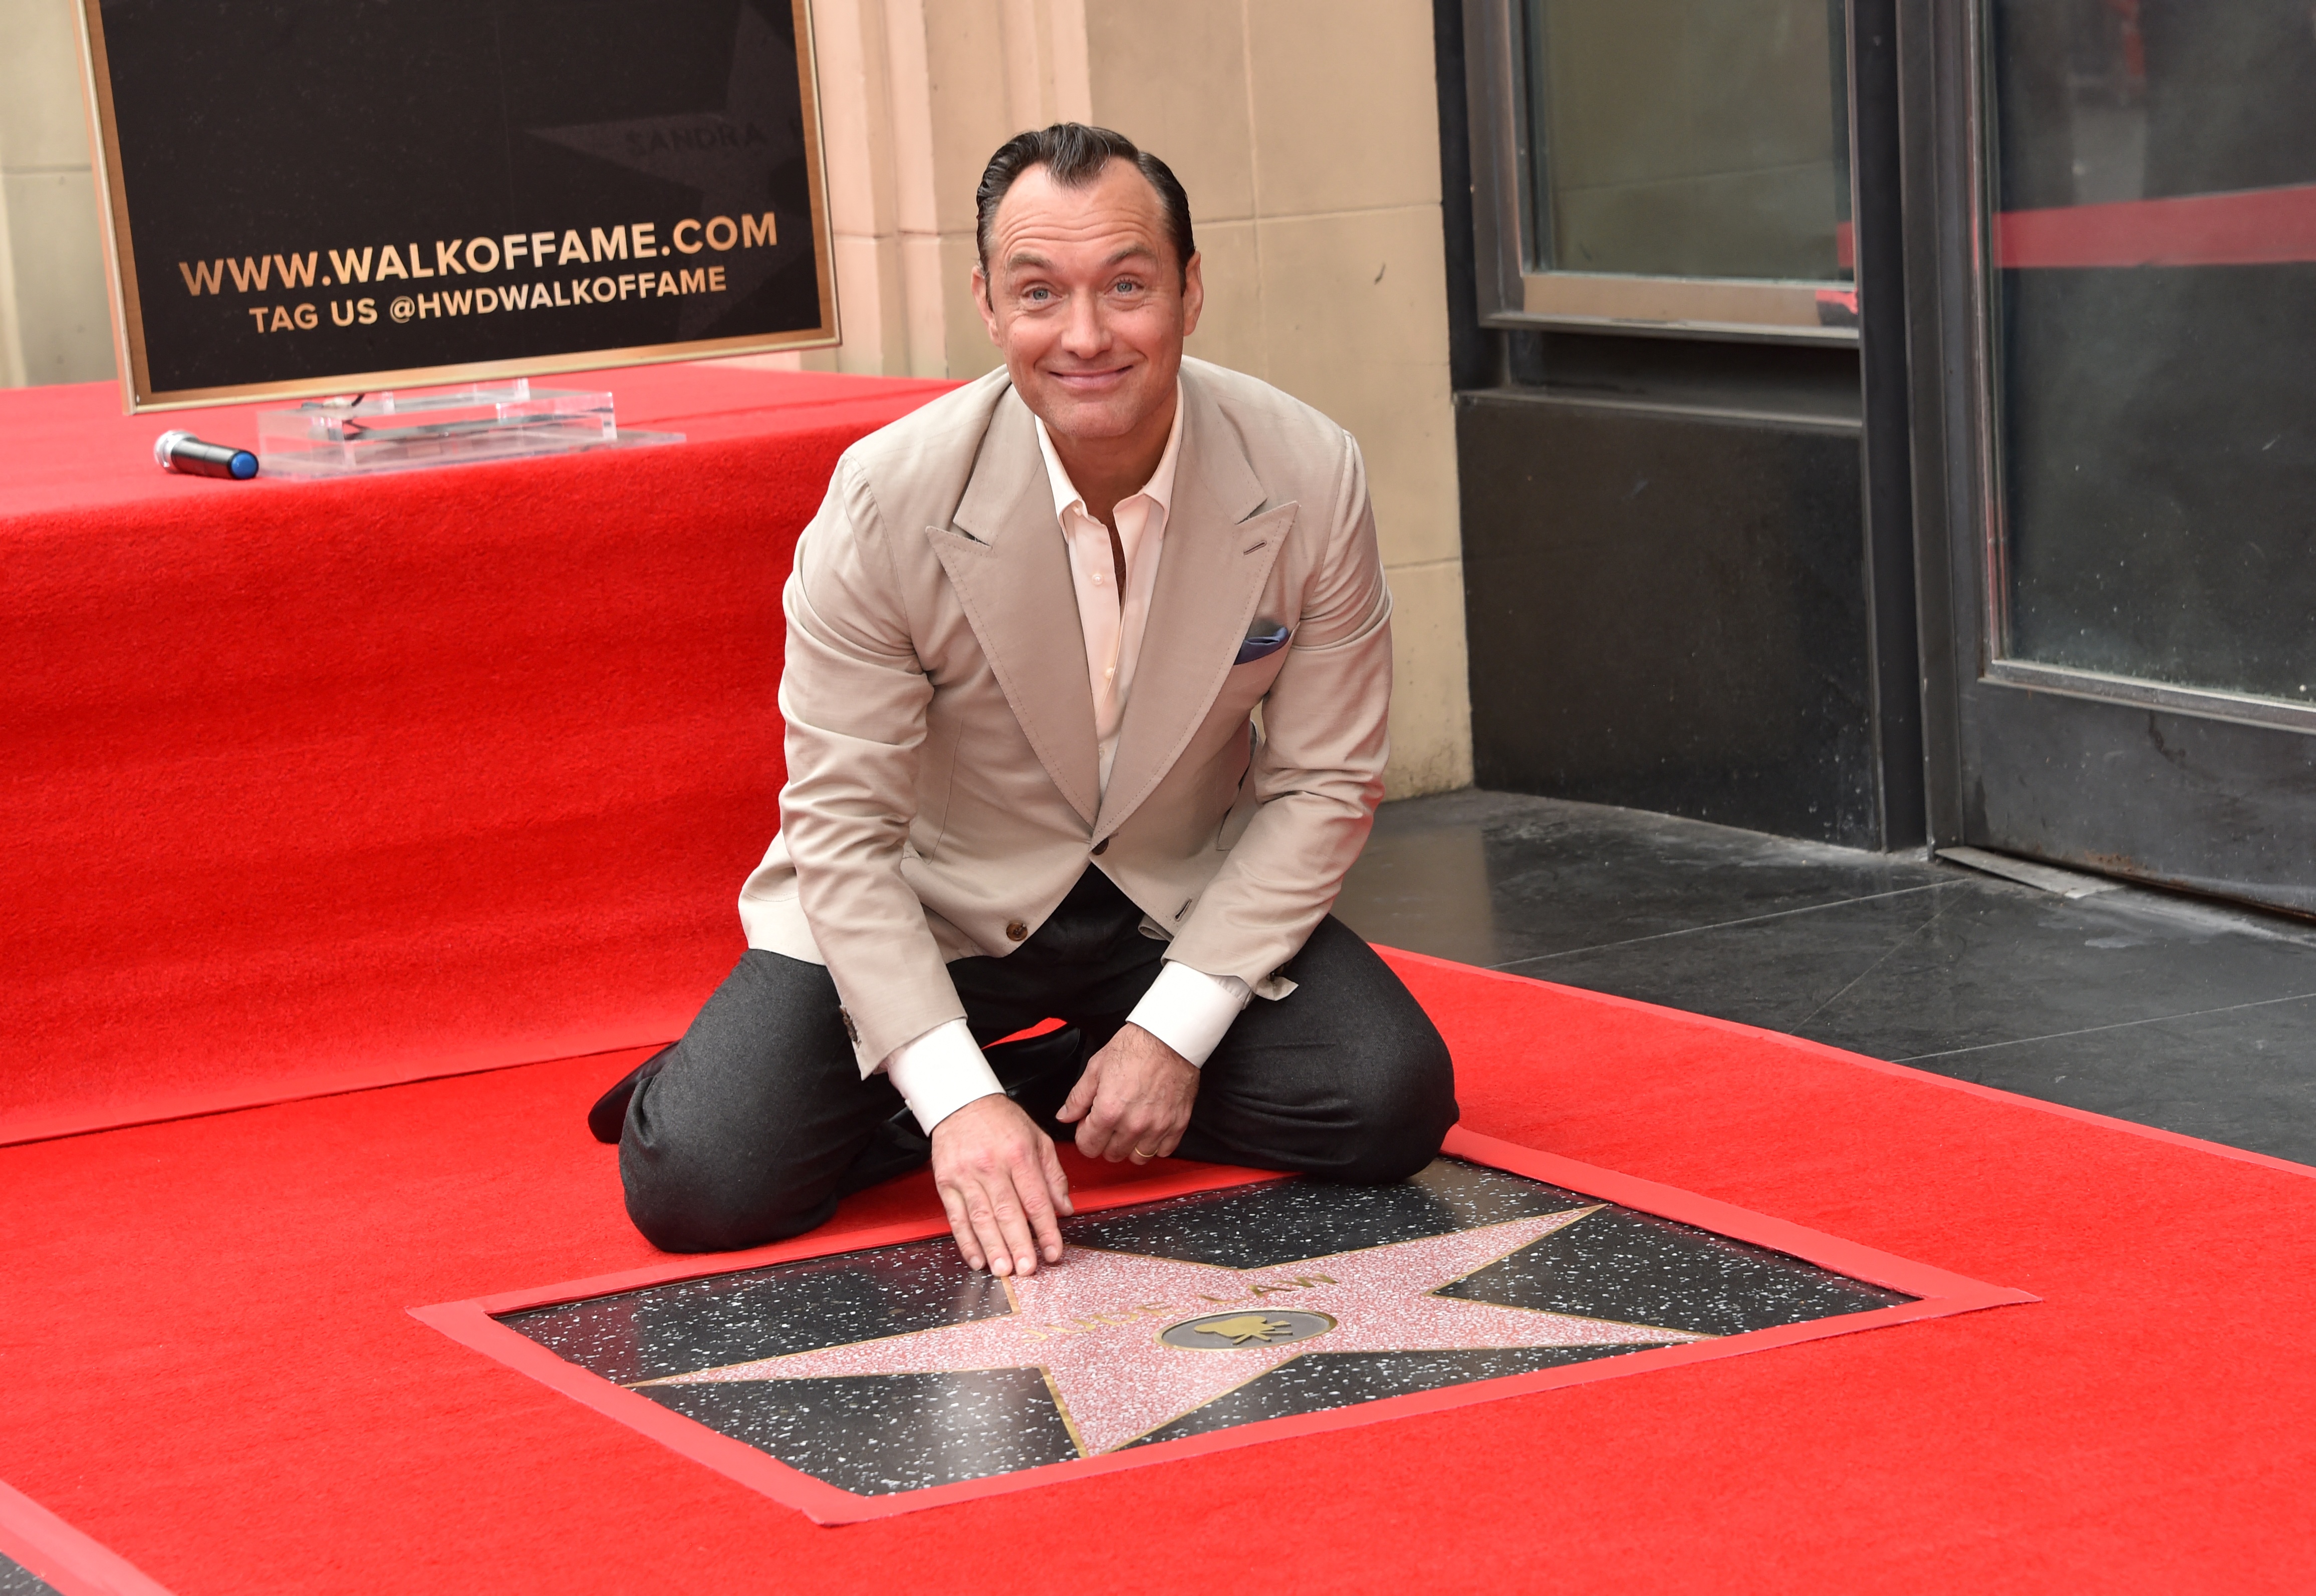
1085	333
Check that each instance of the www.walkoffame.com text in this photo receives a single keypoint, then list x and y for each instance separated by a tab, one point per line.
378	265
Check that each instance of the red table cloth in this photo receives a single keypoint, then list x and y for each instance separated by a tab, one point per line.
310	786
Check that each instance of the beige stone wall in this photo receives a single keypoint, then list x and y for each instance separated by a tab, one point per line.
915	94
54	324
1306	133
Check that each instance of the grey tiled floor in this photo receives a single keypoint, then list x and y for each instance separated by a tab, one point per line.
2167	1011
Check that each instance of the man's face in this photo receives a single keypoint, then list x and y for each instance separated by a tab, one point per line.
1082	296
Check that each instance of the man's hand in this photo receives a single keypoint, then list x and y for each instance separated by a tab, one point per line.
1135	1099
1003	1185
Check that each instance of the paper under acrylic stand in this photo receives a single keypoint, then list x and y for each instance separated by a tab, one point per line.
451	426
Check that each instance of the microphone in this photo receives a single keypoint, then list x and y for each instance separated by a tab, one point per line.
181	452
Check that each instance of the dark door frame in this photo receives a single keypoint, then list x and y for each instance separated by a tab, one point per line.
1877	214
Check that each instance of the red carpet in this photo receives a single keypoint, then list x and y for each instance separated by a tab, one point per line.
315	786
211	1369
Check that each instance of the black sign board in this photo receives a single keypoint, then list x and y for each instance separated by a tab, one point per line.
310	197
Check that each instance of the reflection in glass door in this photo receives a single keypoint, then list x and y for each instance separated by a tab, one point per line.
1681	165
2155	236
2120	428
1687	139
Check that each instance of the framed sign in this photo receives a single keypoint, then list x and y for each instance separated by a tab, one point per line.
316	197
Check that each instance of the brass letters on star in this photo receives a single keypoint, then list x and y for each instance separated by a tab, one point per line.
1256	1291
1093	1322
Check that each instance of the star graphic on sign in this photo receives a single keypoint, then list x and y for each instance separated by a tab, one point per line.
1128	1343
728	156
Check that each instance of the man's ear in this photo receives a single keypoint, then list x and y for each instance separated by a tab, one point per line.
981	302
1194	294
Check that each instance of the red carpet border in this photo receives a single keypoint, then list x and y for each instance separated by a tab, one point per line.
59	1555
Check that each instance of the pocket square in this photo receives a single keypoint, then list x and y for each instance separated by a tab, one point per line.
1260	642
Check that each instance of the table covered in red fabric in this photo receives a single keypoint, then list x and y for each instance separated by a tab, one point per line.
313	785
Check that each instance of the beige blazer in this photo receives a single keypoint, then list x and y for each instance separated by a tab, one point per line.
943	793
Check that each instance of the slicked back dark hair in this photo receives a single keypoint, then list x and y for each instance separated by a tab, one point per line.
1074	154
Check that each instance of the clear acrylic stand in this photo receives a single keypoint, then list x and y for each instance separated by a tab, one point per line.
454	426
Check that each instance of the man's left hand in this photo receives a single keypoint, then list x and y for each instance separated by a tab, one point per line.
1134	1100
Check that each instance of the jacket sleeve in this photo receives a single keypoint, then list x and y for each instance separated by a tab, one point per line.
853	694
1317	774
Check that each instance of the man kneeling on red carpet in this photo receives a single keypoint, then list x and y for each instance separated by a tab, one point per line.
1028	634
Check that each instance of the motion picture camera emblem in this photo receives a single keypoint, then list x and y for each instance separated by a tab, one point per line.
1275	1327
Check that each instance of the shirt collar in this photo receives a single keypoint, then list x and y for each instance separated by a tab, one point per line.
1160	488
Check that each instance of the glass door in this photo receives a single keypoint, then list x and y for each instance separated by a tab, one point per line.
2124	428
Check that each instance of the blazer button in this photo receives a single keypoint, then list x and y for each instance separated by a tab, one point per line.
1016	930
1101	848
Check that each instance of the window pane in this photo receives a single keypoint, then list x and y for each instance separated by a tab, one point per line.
2155	191
1688	137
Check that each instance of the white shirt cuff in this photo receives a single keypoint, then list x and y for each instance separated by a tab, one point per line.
941	1072
1189	1010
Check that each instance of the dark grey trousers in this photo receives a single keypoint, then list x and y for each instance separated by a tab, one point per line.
754	1125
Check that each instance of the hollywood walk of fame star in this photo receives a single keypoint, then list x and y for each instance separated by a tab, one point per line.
1129	1343
728	156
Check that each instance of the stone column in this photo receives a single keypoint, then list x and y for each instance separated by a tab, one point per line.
55	324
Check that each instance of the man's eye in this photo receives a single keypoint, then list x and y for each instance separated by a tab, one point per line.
1039	296
1127	285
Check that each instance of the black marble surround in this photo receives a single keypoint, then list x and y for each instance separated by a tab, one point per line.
16	1580
1667	607
875	1435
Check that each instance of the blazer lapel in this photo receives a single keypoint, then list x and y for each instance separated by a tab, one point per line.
1008	563
1217	555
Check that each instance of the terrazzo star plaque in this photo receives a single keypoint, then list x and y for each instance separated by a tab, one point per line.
1128	1343
866	1382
